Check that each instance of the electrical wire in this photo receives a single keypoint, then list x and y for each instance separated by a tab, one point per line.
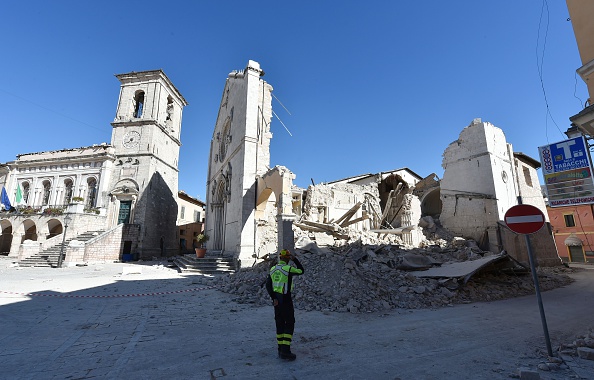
274	96
52	110
575	91
540	64
274	113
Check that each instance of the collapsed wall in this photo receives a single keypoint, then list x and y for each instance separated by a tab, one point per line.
327	203
340	213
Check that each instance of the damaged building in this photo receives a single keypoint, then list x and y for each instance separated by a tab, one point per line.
254	210
242	194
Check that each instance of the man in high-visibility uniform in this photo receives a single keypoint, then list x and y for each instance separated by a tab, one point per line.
279	285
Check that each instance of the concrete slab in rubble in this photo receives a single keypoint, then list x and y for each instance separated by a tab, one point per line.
458	270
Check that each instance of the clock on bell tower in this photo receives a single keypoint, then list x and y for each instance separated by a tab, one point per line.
146	137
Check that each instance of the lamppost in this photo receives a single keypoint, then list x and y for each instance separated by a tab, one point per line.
67	220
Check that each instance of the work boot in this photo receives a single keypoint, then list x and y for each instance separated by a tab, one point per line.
286	354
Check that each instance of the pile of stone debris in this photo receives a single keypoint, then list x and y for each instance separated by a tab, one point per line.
360	277
582	347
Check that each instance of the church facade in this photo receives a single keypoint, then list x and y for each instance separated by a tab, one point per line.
130	184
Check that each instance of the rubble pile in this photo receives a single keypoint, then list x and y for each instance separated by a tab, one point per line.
582	346
370	278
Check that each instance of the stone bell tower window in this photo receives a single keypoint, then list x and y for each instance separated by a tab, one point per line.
138	104
169	108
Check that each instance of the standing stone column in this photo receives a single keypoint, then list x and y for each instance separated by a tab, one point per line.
15	245
286	236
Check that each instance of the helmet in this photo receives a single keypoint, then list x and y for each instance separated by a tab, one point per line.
285	253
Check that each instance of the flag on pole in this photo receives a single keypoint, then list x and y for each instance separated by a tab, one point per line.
19	196
5	201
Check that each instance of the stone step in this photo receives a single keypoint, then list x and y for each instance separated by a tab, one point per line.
49	257
206	265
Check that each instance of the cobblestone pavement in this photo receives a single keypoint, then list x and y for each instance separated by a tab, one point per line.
146	321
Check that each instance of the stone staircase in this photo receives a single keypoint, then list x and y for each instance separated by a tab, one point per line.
213	263
49	257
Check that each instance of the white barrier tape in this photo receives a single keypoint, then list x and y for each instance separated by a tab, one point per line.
106	296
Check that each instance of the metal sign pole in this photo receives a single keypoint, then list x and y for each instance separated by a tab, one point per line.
538	297
543	318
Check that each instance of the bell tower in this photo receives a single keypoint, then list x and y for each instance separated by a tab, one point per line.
146	137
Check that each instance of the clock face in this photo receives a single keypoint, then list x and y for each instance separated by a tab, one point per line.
131	139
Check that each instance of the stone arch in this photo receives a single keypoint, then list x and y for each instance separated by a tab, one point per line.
53	228
169	109
29	230
123	201
431	203
262	201
5	237
277	181
392	190
138	104
125	186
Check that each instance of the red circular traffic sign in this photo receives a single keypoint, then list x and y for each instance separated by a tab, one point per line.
524	219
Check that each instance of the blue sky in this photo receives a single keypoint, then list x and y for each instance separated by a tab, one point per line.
370	86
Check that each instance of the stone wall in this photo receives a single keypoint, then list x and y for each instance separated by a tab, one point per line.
110	246
543	246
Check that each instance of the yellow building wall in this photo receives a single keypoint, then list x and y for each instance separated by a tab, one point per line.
581	13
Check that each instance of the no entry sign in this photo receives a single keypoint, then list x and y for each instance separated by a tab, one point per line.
524	219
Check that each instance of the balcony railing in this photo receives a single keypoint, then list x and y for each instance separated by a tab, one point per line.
48	210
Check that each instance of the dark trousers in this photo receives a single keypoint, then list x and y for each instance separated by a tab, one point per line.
284	316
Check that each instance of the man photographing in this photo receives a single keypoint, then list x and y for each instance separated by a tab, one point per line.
279	285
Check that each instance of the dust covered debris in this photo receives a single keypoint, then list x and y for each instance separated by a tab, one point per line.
370	278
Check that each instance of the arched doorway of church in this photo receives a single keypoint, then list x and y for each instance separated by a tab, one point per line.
218	214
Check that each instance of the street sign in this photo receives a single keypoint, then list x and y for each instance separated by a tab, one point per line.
524	219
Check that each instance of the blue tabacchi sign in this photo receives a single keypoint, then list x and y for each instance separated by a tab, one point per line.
567	172
565	155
